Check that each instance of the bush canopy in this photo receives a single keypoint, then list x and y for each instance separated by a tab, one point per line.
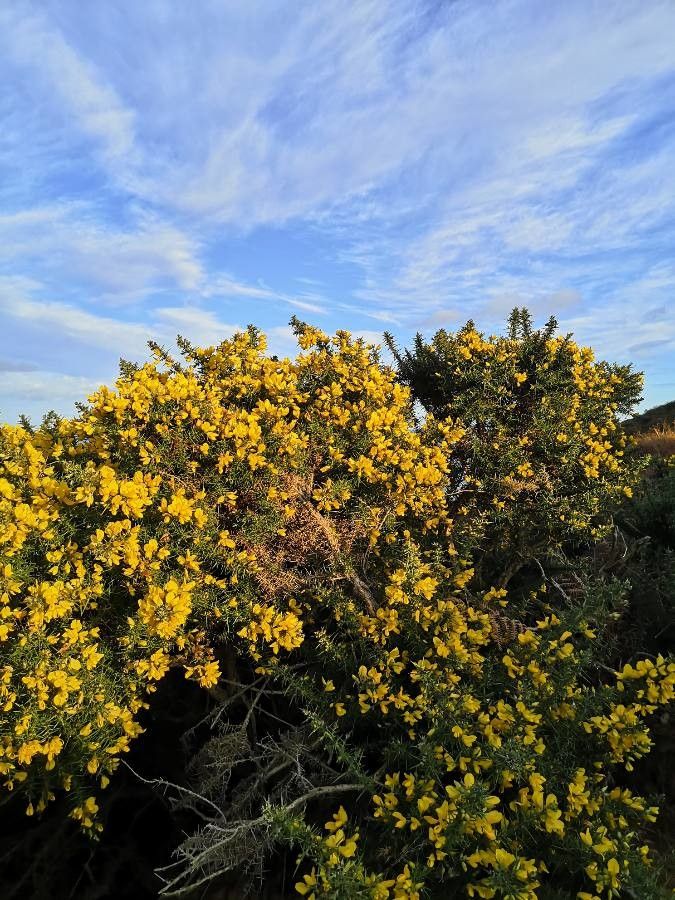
406	699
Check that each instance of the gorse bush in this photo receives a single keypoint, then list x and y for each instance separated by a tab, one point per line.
542	458
337	575
159	520
648	519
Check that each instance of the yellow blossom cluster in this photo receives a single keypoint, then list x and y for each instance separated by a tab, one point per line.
129	538
542	454
293	514
488	746
276	629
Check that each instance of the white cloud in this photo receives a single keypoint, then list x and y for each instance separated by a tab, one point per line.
200	326
33	394
281	341
573	134
620	332
62	320
540	303
436	162
250	130
364	110
36	45
75	243
45	387
226	286
369	336
74	338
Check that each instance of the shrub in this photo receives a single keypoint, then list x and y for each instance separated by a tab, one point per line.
648	623
542	458
287	534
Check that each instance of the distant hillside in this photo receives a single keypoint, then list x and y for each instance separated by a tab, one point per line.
652	418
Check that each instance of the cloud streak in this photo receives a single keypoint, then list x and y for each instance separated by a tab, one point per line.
403	164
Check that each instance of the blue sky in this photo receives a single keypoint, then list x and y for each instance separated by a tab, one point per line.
170	167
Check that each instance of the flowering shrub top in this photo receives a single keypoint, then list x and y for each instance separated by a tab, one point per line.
543	453
286	524
159	517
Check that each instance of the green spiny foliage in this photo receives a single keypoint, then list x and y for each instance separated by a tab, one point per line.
542	454
393	708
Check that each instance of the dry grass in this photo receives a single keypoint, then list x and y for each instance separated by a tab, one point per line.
659	441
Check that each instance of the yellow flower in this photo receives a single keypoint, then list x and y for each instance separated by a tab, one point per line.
503	858
306	886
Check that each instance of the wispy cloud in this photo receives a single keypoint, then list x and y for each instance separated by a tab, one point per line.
77	244
36	45
93	330
16	365
378	163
